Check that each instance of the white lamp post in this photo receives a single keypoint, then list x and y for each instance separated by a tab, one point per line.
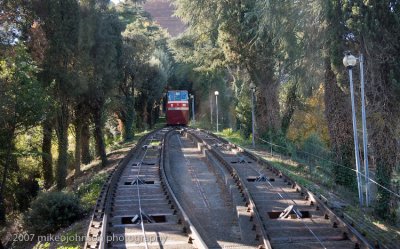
216	104
349	61
365	134
253	90
193	118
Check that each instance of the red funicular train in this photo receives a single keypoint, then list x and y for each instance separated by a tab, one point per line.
177	107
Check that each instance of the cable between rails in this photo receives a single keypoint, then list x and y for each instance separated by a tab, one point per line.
288	199
138	195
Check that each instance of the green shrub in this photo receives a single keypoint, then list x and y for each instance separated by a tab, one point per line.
227	132
41	245
89	192
51	211
25	195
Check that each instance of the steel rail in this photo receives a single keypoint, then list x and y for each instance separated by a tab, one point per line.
164	163
240	183
103	205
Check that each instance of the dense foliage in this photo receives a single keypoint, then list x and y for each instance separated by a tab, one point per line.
292	51
76	76
88	192
51	211
70	74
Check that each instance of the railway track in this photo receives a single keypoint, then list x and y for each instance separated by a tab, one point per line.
308	222
210	197
190	189
136	208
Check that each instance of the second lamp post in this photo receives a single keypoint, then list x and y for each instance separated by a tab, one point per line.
253	90
193	117
349	62
216	104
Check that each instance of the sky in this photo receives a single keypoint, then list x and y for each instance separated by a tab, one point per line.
115	1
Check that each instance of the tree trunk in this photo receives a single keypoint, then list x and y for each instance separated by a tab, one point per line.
338	115
2	210
78	147
291	103
384	147
156	113
8	161
99	138
150	116
47	159
128	120
337	102
268	110
382	103
62	138
145	113
268	119
85	145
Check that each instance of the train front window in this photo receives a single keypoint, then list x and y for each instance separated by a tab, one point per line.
184	95
177	96
171	96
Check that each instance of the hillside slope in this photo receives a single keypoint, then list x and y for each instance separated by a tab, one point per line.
162	11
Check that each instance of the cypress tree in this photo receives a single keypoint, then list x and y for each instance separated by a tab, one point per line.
61	26
337	101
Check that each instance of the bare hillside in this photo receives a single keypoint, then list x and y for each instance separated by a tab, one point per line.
162	11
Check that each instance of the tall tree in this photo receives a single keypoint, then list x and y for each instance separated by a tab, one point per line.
107	74
337	101
38	45
231	33
137	48
85	72
85	142
61	26
146	70
22	101
47	158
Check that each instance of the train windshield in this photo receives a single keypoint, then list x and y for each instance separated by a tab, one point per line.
184	95
171	96
177	96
